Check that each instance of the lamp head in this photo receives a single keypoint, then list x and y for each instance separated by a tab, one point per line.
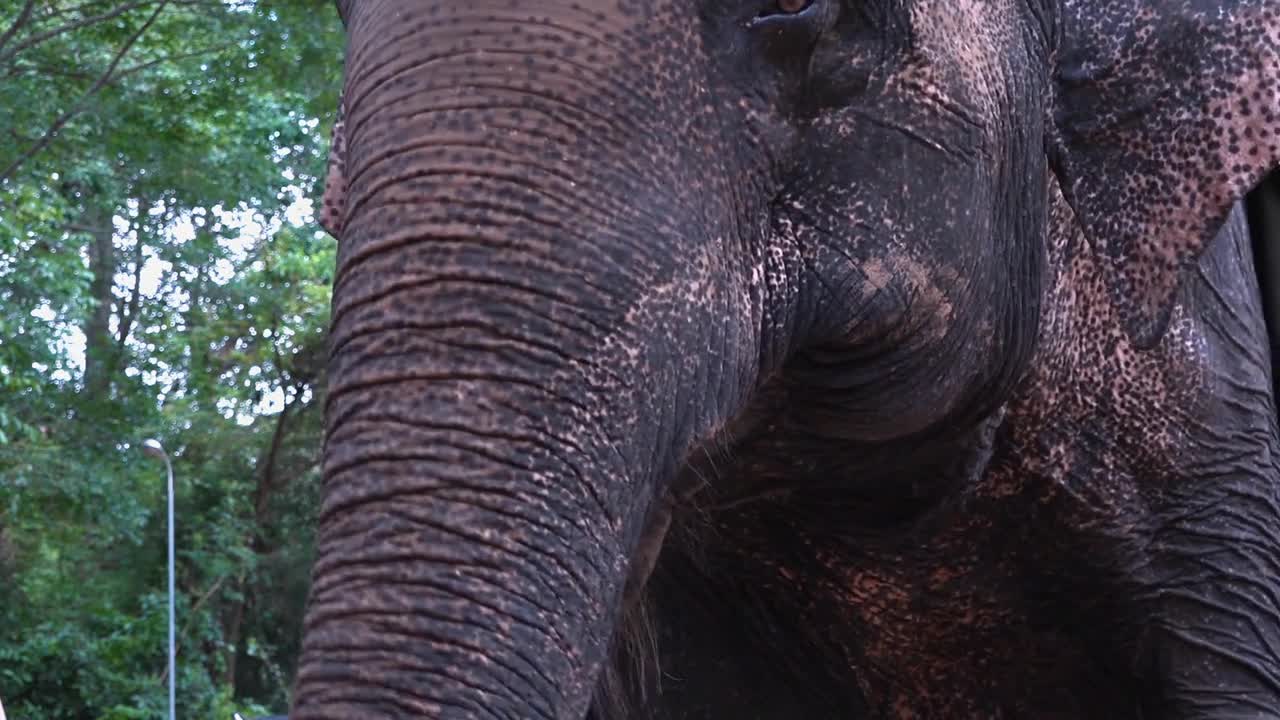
153	448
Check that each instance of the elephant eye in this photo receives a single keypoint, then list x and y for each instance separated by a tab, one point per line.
788	29
786	10
791	7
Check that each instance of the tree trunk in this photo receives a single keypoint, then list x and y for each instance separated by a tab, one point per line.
99	348
234	629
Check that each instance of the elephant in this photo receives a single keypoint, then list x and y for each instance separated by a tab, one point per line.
778	359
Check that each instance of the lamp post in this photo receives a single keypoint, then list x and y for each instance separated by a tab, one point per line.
154	449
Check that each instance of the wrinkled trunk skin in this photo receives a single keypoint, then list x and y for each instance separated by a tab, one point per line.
503	404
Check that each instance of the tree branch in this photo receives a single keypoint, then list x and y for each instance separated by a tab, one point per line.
23	16
81	227
80	8
36	69
171	58
266	481
76	24
80	105
191	615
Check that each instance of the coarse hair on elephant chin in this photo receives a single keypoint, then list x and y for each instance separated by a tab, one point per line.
634	665
679	520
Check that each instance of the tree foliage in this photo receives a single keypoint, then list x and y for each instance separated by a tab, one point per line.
159	277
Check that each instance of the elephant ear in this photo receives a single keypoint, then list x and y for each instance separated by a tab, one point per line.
1166	113
333	207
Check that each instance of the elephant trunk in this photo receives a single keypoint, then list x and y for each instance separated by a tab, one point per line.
467	564
519	361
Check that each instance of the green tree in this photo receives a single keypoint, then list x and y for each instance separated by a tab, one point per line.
152	283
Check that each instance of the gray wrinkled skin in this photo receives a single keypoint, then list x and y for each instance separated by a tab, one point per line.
700	359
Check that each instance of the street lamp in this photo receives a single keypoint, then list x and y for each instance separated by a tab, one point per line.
153	448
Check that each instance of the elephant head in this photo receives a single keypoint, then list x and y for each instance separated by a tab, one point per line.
756	328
